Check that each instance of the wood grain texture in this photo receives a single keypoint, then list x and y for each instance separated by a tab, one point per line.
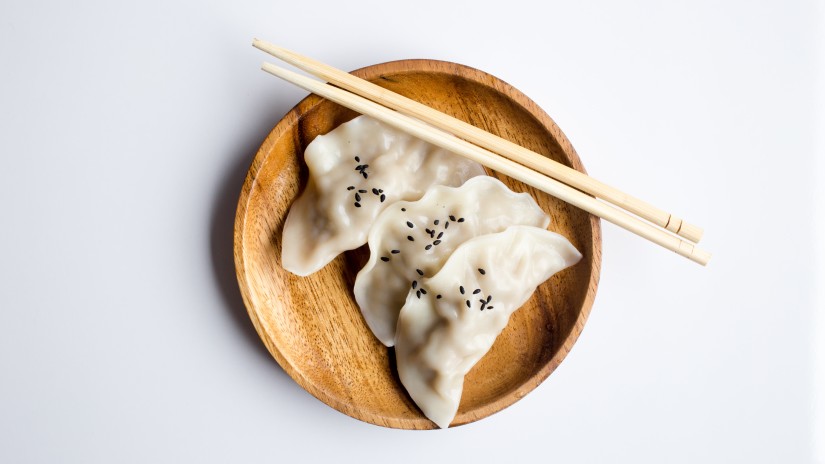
313	327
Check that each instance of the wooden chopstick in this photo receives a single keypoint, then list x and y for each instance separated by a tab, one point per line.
493	161
486	140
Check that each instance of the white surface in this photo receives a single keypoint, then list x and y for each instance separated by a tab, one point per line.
819	196
125	133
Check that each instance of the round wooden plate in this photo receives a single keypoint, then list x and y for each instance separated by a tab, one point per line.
312	326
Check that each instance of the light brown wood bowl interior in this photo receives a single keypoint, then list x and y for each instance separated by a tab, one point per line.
312	326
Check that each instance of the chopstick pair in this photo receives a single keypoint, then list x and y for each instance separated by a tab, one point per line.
483	147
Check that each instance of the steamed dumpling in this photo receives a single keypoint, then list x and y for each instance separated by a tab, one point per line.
443	333
410	241
356	171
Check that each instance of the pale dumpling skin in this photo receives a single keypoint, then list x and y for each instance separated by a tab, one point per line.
442	334
355	172
410	241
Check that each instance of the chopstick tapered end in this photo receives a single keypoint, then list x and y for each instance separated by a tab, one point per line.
269	67
266	47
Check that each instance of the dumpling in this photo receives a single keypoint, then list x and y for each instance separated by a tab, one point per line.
443	333
410	241
356	171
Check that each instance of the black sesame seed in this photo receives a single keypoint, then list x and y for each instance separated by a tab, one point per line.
483	301
476	291
428	231
357	168
423	291
481	271
351	187
418	294
452	218
410	224
446	224
438	297
365	166
437	242
395	252
357	197
375	191
357	159
489	307
380	190
440	234
410	238
489	297
420	272
415	284
385	259
362	191
435	222
364	173
460	219
428	247
468	303
383	197
461	289
357	205
403	209
482	306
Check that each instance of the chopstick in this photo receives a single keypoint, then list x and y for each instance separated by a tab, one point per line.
496	162
486	140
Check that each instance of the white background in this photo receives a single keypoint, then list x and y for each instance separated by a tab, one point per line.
125	133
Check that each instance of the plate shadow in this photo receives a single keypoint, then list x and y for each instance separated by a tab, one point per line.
221	231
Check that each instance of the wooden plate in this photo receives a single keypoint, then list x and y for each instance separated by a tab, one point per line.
312	325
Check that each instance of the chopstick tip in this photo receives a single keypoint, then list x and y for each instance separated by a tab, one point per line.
701	256
272	69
